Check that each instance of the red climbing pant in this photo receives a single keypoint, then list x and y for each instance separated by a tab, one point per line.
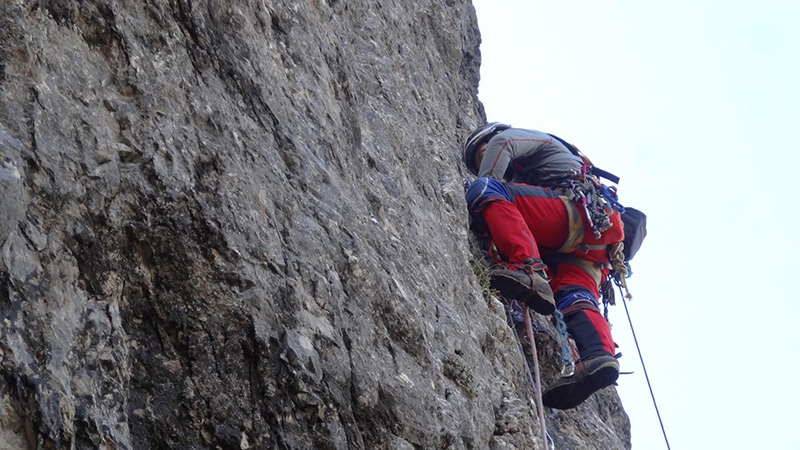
534	222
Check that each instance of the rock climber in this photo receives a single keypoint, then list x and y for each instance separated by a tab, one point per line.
552	226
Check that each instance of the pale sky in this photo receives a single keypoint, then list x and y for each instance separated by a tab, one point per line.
696	106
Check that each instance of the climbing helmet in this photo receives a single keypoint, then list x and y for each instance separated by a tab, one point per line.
480	135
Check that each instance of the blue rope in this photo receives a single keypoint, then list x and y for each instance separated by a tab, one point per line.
566	351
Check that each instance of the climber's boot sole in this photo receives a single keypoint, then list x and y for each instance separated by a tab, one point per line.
529	288
590	376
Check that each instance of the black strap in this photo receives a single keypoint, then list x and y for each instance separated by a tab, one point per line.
607	175
599	172
570	147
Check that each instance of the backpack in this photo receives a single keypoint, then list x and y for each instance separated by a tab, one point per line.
635	224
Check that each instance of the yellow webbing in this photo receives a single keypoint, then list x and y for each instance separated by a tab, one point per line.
593	269
575	235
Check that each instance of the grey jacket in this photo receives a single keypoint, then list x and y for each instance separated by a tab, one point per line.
528	156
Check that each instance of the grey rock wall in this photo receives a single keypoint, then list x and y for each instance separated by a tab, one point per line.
240	224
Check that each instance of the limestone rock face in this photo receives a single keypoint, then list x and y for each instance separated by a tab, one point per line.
240	224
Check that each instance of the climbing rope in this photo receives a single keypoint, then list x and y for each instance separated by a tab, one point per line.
539	403
513	316
567	359
641	359
621	269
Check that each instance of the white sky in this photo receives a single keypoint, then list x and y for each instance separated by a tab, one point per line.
696	106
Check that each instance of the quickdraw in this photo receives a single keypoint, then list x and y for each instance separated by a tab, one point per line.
598	200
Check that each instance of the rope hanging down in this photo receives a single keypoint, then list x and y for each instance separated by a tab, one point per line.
512	317
622	272
621	268
539	403
567	353
641	359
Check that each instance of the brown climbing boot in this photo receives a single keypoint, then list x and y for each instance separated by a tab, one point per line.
526	285
590	376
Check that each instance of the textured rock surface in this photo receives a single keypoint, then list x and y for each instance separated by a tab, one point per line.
239	224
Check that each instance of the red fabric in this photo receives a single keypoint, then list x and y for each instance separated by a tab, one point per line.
572	275
518	230
614	234
510	233
546	217
518	236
